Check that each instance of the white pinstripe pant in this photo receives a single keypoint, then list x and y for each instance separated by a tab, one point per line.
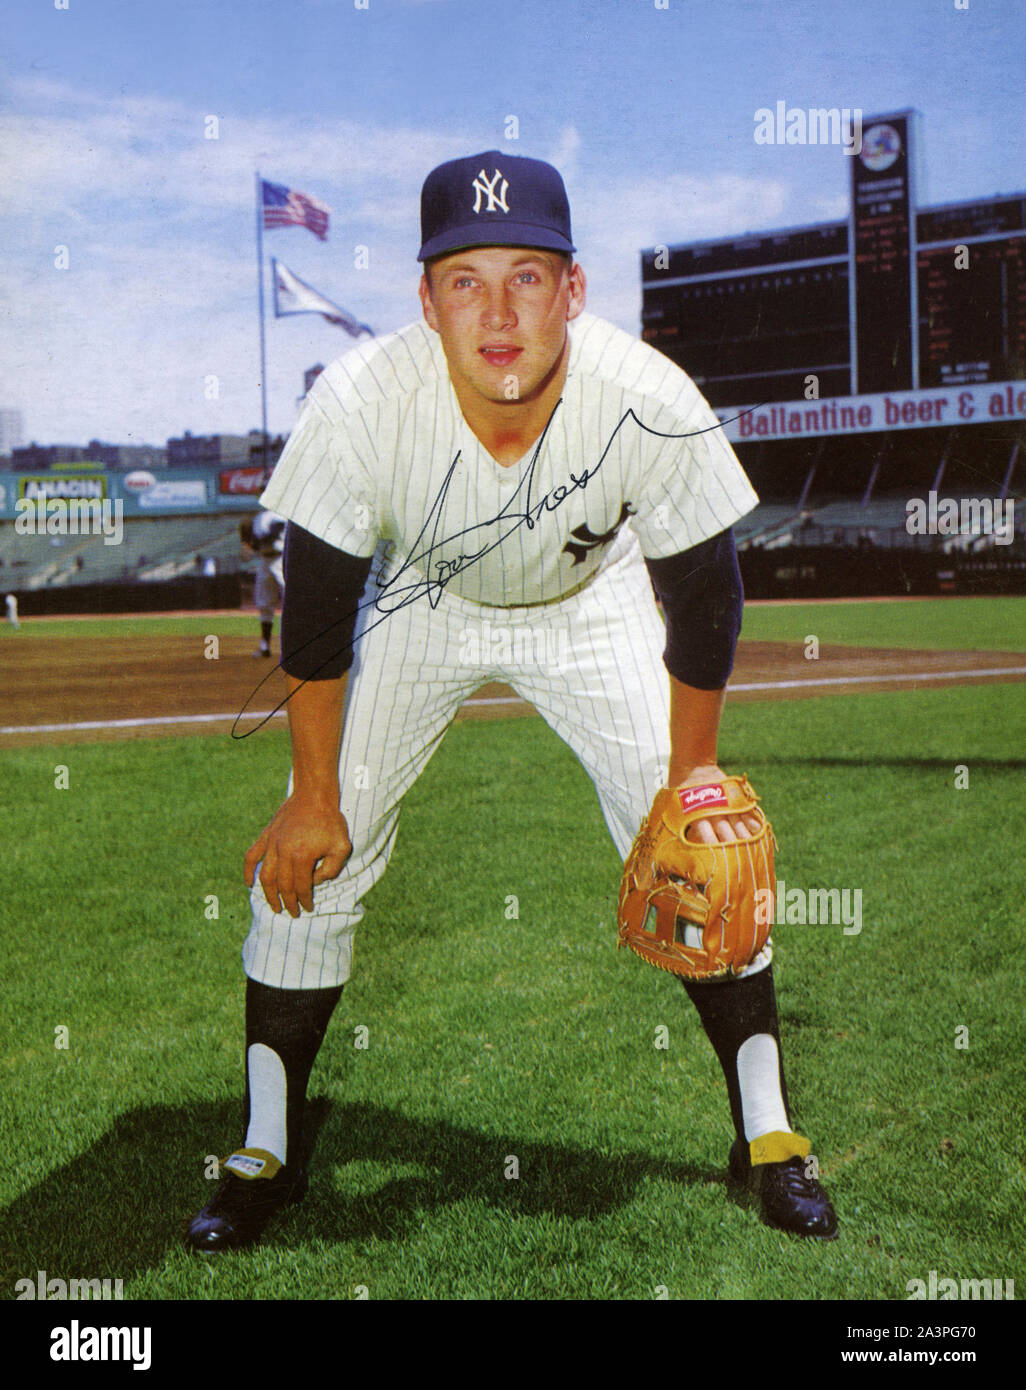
591	665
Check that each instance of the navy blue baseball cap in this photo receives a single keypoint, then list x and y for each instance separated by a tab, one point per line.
493	199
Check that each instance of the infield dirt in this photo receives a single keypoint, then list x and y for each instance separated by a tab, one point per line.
164	680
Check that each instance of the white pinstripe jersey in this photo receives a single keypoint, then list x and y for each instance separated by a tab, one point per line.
381	451
264	526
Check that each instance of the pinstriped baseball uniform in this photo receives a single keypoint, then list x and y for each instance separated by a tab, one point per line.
270	580
531	574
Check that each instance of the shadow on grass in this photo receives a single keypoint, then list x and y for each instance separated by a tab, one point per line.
121	1206
924	764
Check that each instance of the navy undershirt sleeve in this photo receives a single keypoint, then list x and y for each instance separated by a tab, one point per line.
702	597
323	589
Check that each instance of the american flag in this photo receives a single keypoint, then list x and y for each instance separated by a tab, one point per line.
284	207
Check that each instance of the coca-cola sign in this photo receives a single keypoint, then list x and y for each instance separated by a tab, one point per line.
243	481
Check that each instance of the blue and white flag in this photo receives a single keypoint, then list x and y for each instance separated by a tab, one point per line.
294	296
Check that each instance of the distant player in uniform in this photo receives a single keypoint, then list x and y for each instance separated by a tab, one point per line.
508	461
264	535
11	604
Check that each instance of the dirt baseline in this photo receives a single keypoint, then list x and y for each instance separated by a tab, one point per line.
157	686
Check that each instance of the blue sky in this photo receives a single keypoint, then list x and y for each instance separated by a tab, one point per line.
648	112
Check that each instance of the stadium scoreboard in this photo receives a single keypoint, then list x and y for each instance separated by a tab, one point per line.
973	321
894	298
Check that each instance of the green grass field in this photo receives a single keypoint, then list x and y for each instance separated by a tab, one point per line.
950	624
957	624
227	624
534	1038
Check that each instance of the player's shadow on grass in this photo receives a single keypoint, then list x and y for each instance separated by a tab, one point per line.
121	1206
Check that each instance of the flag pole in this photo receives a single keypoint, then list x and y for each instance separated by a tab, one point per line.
260	299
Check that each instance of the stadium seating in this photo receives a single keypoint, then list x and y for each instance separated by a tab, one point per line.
151	548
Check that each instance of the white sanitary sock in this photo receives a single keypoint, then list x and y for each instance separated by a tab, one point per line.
758	1074
267	1096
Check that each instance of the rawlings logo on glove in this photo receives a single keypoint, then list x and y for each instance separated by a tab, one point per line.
689	907
710	795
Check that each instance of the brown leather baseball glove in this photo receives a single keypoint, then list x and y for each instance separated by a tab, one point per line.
698	910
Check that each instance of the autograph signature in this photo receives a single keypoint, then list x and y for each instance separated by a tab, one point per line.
522	509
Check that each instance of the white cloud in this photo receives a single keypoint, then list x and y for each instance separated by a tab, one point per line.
160	291
159	222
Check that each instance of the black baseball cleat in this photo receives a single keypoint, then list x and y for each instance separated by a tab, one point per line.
788	1198
255	1186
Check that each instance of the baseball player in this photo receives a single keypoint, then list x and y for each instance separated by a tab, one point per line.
264	535
509	461
11	605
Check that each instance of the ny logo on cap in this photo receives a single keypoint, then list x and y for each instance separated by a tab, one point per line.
496	201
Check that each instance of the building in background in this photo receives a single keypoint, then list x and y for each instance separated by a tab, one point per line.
275	444
222	450
32	458
119	457
209	450
126	457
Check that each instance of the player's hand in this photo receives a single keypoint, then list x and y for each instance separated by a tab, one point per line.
306	843
719	828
